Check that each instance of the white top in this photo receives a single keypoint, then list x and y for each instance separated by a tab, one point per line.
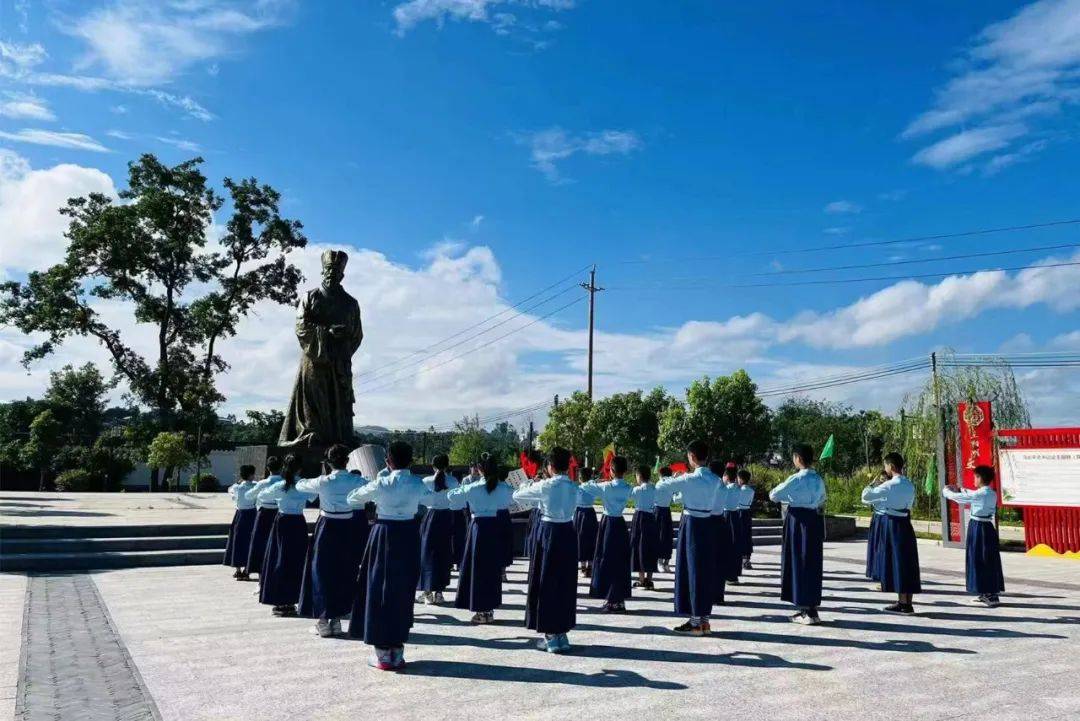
397	495
238	492
983	501
894	497
805	489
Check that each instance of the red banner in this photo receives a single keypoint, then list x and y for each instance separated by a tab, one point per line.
976	439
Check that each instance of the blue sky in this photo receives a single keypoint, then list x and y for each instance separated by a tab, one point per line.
482	149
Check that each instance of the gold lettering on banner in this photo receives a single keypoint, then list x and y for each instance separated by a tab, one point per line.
973	417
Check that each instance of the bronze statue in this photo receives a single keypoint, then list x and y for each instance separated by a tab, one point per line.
329	330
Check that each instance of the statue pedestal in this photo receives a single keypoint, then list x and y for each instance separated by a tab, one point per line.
310	458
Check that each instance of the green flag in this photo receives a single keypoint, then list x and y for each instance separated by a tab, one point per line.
656	469
827	451
930	484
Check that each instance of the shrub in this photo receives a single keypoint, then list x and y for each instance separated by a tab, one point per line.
204	483
78	480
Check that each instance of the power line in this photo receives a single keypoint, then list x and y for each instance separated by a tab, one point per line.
505	415
474	336
480	347
862	244
822	383
478	324
963	256
712	287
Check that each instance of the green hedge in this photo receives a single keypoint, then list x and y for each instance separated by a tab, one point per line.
204	483
78	480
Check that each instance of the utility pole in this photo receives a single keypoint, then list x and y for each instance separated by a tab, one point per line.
556	425
592	288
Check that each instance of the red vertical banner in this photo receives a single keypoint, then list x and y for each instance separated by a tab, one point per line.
976	439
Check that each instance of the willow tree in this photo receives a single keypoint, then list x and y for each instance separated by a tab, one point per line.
916	436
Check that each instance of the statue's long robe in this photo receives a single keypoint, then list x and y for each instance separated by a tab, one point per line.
321	408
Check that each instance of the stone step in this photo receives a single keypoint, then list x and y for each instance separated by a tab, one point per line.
8	532
108	559
87	545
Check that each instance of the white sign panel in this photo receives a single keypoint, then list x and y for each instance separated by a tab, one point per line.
1040	476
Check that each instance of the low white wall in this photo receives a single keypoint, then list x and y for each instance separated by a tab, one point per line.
220	463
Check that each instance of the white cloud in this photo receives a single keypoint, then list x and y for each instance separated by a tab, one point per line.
17	59
187	145
476	222
548	147
29	203
25	106
408	15
1025	67
37	136
967	144
842	206
145	43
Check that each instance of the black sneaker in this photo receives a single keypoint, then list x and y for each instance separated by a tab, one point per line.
685	628
904	609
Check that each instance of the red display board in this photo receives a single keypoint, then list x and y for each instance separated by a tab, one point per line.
1055	526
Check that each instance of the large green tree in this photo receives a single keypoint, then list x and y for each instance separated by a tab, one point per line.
632	422
860	436
152	251
726	412
569	425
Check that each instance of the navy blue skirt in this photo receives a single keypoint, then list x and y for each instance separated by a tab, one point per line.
802	557
722	559
611	561
239	543
897	554
260	535
506	526
436	532
535	519
746	532
330	570
734	526
644	542
586	527
873	540
360	530
551	604
283	565
457	538
984	574
695	566
382	608
665	531
480	581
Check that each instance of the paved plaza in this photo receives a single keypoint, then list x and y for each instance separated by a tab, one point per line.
187	643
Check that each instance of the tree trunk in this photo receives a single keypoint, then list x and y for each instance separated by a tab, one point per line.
154	479
42	475
169	478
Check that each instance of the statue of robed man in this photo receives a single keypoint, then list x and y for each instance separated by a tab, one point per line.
329	330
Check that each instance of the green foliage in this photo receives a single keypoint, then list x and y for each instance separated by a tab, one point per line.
41	446
204	483
168	450
470	440
725	412
860	435
569	426
78	481
632	422
150	251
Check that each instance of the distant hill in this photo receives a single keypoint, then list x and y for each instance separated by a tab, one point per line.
372	430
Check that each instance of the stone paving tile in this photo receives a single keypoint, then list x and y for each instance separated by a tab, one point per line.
73	663
952	660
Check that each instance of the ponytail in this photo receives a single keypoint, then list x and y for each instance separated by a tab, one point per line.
289	470
490	469
440	463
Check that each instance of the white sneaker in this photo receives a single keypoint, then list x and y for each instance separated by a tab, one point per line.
421	597
382	659
323	628
805	619
335	627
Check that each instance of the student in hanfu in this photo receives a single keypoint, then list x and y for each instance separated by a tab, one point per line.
437	534
585	524
484	562
551	601
611	560
644	534
985	578
383	587
746	518
264	521
330	569
897	553
665	530
695	558
286	551
802	552
243	523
